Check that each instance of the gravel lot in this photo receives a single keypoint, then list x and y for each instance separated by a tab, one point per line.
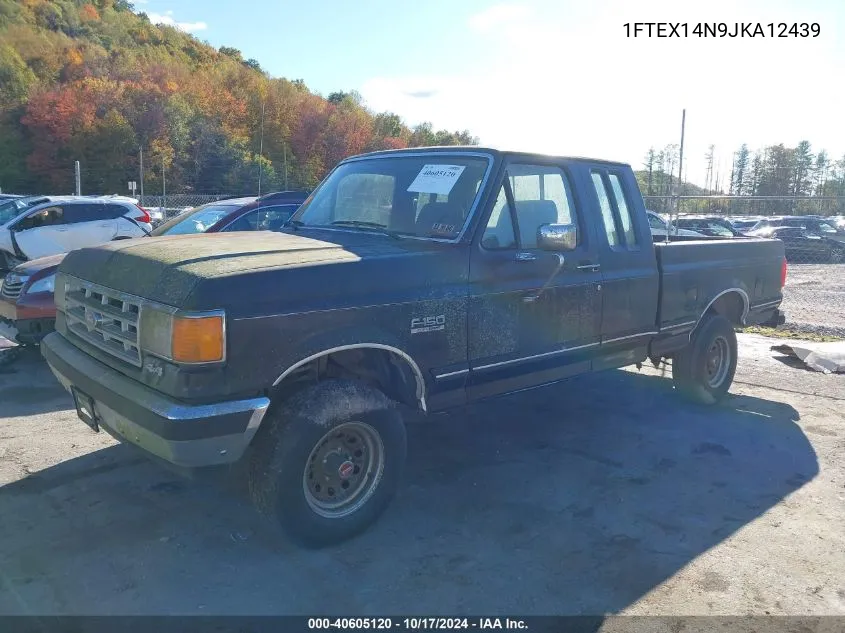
814	298
605	494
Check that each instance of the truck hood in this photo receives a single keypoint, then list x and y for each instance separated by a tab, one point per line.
221	270
34	266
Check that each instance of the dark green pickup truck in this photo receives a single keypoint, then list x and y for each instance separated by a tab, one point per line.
415	279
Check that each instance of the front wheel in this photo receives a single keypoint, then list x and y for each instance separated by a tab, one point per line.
837	255
704	370
8	262
328	462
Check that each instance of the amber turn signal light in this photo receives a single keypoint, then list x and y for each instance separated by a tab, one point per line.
198	339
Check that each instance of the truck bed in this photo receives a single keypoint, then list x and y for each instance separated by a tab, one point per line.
694	273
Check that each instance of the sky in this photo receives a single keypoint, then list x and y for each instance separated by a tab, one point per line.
555	76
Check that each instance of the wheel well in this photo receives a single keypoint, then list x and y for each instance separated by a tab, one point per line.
730	305
383	369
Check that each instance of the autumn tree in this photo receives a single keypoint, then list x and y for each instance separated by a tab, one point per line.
93	81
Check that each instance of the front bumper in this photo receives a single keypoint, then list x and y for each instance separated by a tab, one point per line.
33	316
189	436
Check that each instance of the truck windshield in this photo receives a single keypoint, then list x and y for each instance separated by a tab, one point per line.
427	196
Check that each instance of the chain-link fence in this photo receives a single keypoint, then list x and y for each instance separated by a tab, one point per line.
175	203
812	230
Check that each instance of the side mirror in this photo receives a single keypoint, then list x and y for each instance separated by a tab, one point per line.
557	237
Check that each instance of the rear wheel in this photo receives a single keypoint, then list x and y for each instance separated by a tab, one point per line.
326	464
704	370
837	254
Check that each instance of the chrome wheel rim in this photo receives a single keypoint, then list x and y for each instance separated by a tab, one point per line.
343	470
717	361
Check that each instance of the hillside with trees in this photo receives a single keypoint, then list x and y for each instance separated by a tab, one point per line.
93	81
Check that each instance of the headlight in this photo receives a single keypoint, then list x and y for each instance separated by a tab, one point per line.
183	337
47	284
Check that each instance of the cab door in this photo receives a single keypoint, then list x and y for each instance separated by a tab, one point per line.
534	314
629	278
41	232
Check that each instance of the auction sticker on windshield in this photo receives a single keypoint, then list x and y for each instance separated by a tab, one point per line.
438	179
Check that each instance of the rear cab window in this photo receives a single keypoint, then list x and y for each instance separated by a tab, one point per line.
617	217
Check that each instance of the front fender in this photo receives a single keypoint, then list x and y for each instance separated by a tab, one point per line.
362	337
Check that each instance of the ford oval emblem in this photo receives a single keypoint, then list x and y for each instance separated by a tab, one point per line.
93	319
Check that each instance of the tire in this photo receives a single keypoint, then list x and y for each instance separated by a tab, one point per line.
8	262
304	461
704	370
837	255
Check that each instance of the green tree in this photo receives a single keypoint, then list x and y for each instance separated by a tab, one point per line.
803	161
15	77
820	169
741	170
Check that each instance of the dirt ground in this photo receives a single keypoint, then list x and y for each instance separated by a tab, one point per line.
814	297
605	494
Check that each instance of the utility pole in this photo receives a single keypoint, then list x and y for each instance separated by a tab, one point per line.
77	178
163	190
141	156
681	160
261	148
285	154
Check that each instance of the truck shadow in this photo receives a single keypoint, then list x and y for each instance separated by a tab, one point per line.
575	499
28	387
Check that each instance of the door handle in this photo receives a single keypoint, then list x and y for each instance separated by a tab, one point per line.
532	298
61	228
524	256
590	267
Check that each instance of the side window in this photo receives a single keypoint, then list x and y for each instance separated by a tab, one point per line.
263	219
606	210
49	216
655	222
541	194
274	218
114	211
75	213
499	233
247	222
624	211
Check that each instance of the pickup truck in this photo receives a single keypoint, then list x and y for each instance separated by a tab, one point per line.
409	280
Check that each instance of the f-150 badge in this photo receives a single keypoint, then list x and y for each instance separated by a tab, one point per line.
428	324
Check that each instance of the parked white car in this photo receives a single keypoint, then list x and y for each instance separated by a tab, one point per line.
57	224
661	228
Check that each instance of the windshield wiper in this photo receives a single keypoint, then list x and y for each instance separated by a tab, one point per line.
381	228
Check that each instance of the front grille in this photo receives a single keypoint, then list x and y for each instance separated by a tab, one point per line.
12	286
105	318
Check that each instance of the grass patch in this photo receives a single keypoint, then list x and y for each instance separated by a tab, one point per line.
788	333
